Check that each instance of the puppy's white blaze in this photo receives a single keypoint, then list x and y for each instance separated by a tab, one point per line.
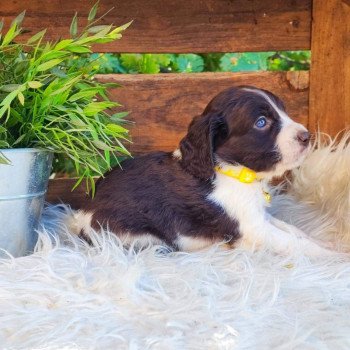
177	154
287	141
283	115
192	244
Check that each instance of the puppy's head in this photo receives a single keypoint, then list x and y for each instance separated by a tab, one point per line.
244	126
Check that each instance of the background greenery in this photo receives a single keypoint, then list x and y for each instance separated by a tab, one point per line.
146	63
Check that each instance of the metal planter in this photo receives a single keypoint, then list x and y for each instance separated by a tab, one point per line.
23	185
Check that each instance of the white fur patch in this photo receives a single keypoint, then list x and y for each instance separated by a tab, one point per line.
191	244
79	221
139	241
177	154
242	202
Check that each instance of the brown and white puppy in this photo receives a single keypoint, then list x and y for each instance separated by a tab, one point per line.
180	200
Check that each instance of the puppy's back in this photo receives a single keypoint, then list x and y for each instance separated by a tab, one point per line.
153	196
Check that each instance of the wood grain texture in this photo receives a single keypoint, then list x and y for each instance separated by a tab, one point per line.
180	26
330	66
163	105
60	191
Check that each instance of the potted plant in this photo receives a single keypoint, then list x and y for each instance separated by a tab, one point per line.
50	103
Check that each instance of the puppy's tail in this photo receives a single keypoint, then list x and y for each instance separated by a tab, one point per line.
79	222
61	219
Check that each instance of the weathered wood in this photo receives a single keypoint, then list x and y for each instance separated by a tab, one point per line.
60	191
330	67
163	105
181	26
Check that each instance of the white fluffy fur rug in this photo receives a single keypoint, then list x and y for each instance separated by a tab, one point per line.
69	295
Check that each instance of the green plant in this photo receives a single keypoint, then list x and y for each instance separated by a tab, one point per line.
208	62
289	60
164	63
188	63
51	100
133	63
146	63
251	61
212	62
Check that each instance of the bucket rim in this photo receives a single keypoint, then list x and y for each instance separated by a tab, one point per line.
25	150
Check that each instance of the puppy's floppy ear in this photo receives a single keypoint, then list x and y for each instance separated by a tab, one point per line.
198	146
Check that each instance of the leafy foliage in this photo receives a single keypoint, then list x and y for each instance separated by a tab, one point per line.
193	63
148	63
273	61
251	61
290	60
50	99
189	63
212	62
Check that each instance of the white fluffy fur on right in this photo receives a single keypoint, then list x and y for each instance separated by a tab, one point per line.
319	193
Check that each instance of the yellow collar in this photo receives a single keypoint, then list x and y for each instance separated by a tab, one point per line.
244	175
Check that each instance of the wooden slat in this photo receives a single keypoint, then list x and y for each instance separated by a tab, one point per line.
330	68
181	26
60	191
163	105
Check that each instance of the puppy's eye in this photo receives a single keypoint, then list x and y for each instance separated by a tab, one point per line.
261	122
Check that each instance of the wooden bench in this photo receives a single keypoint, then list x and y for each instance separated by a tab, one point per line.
162	105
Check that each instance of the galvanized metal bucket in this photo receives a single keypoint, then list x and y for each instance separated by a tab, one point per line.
23	186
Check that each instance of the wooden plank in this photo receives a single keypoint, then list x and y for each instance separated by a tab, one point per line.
163	105
60	191
330	67
181	26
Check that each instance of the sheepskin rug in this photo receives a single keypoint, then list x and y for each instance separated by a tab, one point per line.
69	295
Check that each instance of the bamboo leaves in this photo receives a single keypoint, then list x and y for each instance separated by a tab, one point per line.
49	64
34	84
38	36
73	30
93	12
94	108
49	99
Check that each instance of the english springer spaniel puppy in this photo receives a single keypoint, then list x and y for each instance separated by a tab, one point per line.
213	187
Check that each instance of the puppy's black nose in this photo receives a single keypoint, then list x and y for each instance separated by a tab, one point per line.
303	137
